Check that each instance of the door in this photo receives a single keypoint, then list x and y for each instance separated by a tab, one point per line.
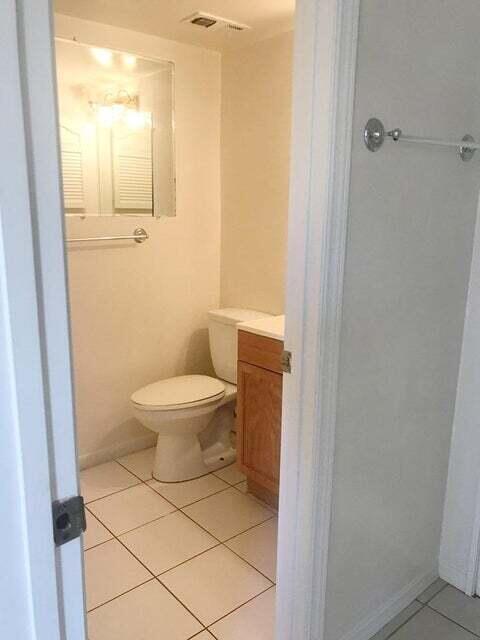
41	585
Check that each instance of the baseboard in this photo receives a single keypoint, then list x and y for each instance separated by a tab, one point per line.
116	451
375	621
454	575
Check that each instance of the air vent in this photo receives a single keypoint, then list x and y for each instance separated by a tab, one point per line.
214	23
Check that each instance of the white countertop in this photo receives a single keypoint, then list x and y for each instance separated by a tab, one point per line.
271	327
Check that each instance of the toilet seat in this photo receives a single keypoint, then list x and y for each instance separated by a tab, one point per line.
181	392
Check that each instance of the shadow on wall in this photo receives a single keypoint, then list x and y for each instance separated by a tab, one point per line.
197	358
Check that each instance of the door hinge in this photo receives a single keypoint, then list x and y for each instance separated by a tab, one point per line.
286	361
68	519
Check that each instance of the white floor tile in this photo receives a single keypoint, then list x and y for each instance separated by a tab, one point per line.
242	486
95	533
215	583
131	508
397	622
231	474
167	542
429	625
228	513
140	463
110	570
254	620
258	546
184	493
147	613
432	590
458	607
105	479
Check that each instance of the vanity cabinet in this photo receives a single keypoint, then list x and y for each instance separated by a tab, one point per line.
259	413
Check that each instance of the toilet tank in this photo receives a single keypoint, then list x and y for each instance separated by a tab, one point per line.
222	333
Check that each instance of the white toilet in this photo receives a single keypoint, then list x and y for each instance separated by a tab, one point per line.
194	415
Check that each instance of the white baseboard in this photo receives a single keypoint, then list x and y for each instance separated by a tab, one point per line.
376	620
454	575
115	451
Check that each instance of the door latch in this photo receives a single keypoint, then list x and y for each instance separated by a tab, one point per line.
68	519
286	361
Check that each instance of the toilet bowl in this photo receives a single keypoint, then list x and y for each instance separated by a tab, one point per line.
178	410
193	415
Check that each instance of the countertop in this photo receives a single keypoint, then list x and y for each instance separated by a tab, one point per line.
272	327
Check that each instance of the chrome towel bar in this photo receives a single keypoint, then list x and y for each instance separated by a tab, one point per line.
375	135
139	235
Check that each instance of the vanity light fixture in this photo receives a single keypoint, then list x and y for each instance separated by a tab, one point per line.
121	108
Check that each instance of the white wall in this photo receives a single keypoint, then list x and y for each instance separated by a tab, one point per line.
460	527
139	311
411	223
256	117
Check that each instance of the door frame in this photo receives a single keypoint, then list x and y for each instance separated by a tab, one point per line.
324	80
36	375
326	42
460	545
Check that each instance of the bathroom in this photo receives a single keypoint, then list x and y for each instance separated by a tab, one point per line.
168	130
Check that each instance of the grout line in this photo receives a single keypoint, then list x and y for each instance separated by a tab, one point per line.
250	564
189	504
98	543
390	635
454	621
240	606
149	580
177	509
98	606
198	633
114	493
434	595
129	551
132	472
165	515
182	603
237	535
197	555
273	514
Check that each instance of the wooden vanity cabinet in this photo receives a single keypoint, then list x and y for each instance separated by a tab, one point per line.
259	413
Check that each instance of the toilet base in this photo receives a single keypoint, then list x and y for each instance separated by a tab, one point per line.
180	459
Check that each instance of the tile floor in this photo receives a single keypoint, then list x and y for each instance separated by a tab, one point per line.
197	560
441	612
177	561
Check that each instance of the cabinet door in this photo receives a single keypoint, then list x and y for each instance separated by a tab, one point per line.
259	411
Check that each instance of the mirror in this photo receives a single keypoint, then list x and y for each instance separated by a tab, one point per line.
116	132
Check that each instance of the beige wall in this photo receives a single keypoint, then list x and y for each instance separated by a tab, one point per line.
256	108
139	311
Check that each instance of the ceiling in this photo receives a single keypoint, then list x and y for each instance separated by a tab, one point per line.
163	18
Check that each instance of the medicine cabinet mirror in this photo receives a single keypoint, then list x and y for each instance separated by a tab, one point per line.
116	123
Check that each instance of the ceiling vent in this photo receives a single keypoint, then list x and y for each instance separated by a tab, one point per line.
214	23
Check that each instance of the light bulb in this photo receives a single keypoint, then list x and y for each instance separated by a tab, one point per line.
129	60
103	56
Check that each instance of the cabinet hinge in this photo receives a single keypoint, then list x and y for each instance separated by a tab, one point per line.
286	362
68	519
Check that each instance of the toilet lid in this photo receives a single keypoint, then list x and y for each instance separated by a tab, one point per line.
182	390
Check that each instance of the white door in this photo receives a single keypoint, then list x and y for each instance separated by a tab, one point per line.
41	585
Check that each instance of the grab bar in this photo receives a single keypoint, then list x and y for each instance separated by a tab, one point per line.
139	235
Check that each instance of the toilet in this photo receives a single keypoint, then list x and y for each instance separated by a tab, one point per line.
193	415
